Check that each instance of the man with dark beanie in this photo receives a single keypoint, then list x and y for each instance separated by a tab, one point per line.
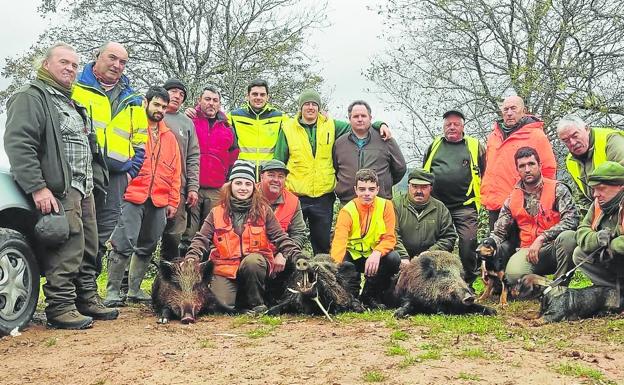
53	157
305	145
184	131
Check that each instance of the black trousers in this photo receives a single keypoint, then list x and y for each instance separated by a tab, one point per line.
352	270
319	213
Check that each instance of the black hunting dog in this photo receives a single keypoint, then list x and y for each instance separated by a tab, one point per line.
561	303
492	272
432	283
316	286
181	290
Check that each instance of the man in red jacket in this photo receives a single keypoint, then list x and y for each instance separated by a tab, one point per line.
218	150
150	199
516	129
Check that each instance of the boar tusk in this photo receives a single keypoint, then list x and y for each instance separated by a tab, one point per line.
292	290
316	299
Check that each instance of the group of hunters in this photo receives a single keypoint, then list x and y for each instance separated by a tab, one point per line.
245	188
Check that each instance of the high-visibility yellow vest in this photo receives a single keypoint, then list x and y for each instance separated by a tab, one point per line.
475	183
310	175
600	156
360	246
117	135
256	133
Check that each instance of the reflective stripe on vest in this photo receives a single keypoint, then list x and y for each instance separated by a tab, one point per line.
227	253
256	137
357	245
119	135
475	183
532	226
310	175
599	157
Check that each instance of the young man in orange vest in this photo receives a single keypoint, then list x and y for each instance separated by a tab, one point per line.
364	240
603	227
287	210
542	208
151	198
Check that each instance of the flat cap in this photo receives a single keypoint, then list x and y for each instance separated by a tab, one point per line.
610	173
420	176
453	113
273	164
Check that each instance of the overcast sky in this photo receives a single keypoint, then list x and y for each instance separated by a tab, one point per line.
345	48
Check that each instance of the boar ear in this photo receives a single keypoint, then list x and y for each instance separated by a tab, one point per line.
166	269
206	268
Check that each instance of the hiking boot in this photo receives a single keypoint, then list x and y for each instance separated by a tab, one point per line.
70	320
94	308
257	310
373	304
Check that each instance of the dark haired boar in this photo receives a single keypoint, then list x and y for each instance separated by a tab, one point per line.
181	290
316	287
432	283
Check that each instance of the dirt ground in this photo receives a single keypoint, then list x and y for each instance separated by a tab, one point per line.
369	348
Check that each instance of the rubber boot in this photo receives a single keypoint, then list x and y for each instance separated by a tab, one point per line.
116	266
136	273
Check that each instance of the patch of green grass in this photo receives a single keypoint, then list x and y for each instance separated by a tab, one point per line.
206	344
581	371
373	376
260	332
49	342
392	323
478	285
408	361
612	331
370	316
580	280
241	320
396	350
270	321
430	355
463	324
468	376
474	353
399	335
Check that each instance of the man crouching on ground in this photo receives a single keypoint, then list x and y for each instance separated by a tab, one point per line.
364	240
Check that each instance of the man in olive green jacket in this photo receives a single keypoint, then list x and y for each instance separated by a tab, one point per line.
603	227
422	222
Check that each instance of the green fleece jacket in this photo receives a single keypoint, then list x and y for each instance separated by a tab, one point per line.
587	239
432	229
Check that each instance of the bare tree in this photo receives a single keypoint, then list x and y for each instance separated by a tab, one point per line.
222	42
559	55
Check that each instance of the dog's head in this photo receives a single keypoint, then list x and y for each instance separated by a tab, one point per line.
531	286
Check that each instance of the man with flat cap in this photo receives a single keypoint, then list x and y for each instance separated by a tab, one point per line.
287	210
603	227
458	162
422	222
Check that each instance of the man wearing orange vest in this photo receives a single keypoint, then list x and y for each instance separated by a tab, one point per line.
287	210
542	208
603	227
151	198
516	129
364	240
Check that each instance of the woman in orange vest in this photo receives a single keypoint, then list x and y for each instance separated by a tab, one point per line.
239	232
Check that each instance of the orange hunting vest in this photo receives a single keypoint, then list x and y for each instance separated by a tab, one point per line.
532	226
230	249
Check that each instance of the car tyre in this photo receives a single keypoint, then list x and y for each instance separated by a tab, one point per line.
19	281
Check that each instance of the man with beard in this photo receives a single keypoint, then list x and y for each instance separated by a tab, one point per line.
184	131
423	222
542	209
118	118
515	130
287	210
589	148
150	199
603	228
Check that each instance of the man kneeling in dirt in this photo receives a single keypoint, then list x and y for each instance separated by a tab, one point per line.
287	210
603	228
542	208
364	240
